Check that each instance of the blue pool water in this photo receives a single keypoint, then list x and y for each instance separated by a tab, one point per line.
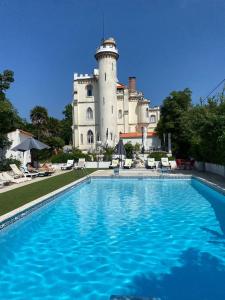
162	238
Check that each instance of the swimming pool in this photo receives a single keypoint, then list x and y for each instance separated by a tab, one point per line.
150	237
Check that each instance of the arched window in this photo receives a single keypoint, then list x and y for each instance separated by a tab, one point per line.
152	119
89	88
120	114
90	137
147	112
89	113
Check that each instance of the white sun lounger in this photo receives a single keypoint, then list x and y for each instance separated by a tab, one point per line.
68	165
128	163
11	179
17	172
28	173
165	162
151	163
3	180
80	164
114	164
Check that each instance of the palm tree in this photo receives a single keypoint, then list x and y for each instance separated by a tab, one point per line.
39	119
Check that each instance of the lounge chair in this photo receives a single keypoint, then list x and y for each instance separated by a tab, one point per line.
68	165
151	163
128	163
11	179
47	168
165	163
80	164
3	180
114	164
17	172
33	173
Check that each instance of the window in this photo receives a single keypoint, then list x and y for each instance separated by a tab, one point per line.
112	109
89	114
120	114
112	66
111	135
152	119
147	112
89	88
103	100
81	139
105	76
90	137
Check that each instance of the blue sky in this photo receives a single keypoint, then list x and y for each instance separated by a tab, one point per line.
167	44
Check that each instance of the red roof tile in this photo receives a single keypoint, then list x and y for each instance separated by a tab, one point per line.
136	134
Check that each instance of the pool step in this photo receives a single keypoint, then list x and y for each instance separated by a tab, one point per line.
115	297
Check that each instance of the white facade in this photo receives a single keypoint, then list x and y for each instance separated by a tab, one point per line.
16	137
104	109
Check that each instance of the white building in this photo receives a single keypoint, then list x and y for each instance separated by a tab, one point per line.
16	137
106	110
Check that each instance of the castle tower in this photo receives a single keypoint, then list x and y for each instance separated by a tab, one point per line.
107	55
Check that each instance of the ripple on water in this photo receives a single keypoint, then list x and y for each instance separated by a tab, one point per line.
116	237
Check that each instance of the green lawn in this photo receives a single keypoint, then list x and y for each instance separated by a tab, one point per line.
20	196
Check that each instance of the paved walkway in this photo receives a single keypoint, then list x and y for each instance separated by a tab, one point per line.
212	178
36	179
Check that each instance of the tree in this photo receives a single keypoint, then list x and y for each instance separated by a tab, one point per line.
39	119
173	117
9	118
66	123
54	127
129	150
207	123
6	78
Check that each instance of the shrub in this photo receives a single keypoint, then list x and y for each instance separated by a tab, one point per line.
129	150
75	155
159	154
108	152
4	164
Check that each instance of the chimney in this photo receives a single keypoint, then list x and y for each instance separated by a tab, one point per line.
132	84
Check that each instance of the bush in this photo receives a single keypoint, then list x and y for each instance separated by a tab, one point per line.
108	152
75	155
159	154
4	164
129	150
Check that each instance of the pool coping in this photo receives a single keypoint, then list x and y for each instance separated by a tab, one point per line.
24	210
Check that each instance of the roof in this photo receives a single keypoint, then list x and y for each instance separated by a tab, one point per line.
120	85
135	135
23	132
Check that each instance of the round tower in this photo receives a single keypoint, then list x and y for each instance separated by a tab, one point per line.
107	55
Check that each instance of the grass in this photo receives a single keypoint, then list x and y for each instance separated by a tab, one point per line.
17	197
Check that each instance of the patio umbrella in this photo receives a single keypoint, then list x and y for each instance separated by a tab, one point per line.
30	144
120	150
